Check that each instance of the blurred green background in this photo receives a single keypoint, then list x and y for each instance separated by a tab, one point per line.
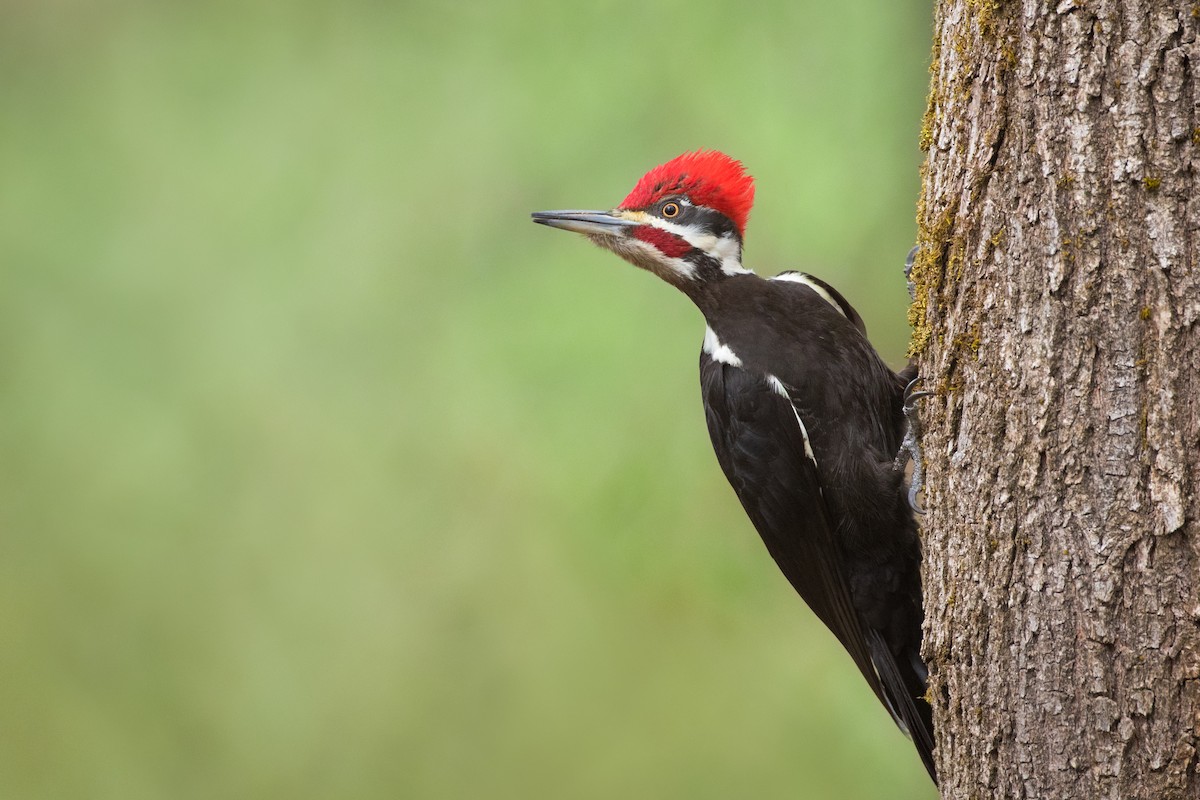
327	474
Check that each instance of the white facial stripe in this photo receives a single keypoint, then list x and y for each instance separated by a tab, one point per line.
778	387
689	232
725	249
800	277
717	351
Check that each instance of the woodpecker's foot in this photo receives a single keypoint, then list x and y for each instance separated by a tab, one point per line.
909	260
910	446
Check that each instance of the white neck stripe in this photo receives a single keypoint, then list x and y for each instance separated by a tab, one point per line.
719	352
801	278
726	249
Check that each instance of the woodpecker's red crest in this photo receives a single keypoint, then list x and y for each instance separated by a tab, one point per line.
706	177
684	220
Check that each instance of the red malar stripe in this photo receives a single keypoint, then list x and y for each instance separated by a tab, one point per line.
668	244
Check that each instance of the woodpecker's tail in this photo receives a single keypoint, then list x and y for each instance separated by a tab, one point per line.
904	691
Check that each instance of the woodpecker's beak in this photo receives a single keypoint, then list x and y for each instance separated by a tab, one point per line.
592	223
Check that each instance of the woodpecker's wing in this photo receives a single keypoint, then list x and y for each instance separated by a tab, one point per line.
766	456
763	448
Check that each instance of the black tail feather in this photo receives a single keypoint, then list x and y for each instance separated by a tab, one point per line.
904	691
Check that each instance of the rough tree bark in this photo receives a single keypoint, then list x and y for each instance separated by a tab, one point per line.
1058	300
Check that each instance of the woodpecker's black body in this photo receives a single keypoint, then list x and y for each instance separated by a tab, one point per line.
805	418
837	521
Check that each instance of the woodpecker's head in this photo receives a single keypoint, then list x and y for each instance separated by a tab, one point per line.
684	221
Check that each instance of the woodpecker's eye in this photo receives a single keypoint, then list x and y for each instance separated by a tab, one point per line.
670	210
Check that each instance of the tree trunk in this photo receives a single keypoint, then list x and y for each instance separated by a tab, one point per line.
1058	294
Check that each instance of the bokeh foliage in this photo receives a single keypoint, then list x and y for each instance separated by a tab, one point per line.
326	474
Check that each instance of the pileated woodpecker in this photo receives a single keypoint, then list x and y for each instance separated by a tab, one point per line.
805	417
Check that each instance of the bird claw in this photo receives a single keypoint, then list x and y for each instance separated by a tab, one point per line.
910	446
909	260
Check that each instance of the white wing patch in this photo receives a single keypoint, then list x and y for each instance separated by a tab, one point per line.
781	390
778	386
800	277
719	352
